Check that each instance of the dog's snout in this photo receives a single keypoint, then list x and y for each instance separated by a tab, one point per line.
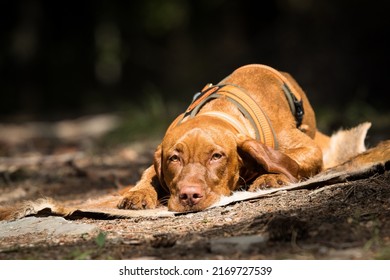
191	195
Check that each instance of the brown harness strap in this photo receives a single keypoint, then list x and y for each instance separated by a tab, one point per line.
252	111
229	119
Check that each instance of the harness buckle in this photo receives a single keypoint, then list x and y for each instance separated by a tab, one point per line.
299	111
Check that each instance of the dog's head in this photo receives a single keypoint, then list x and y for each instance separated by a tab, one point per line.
201	160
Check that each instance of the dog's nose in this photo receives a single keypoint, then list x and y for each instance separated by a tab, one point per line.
190	195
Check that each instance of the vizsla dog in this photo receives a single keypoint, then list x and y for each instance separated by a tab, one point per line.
255	129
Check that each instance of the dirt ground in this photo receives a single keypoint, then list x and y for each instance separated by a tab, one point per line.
342	221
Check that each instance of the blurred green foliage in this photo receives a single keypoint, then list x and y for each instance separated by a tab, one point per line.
146	121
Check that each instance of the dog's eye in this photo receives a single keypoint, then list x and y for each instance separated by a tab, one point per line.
174	158
216	156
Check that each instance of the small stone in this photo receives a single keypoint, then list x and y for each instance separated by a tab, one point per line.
49	225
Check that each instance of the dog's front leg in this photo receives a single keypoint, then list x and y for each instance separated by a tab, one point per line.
143	195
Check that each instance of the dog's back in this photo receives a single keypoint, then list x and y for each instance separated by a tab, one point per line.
265	85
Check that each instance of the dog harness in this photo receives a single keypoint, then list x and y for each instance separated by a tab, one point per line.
247	106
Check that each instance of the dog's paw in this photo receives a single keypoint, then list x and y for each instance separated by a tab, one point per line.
267	181
138	199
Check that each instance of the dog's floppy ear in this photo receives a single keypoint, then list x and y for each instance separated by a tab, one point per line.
260	156
157	162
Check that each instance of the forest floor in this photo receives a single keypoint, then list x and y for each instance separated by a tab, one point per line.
342	221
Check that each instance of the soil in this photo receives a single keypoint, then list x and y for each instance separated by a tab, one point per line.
342	221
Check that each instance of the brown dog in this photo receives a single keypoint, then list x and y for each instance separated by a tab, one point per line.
255	129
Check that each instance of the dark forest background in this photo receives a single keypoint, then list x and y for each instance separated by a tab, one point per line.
64	59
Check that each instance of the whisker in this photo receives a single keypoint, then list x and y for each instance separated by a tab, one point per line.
164	200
